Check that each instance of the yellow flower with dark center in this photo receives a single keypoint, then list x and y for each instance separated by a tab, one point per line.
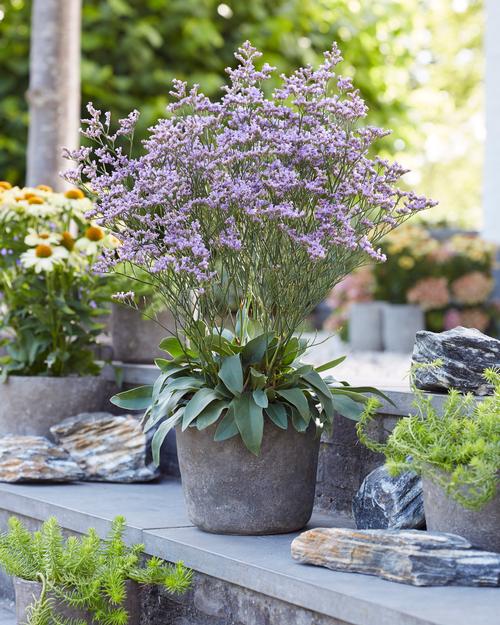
44	187
43	251
5	185
94	233
67	241
35	200
74	194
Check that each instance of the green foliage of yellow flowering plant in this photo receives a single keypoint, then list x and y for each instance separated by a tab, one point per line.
51	299
458	449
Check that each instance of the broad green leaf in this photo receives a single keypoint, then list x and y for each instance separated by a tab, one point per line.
296	397
161	433
250	421
188	382
253	352
316	381
259	380
278	415
227	427
167	403
298	422
260	398
220	345
136	399
347	407
210	414
231	374
197	404
291	351
372	390
330	364
175	348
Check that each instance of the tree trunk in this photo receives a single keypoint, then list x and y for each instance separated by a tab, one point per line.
54	90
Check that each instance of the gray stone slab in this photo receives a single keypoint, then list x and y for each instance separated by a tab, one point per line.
262	564
83	505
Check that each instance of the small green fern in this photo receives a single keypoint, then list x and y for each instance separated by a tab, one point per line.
458	449
83	572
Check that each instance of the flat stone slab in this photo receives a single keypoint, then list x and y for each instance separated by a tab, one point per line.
386	502
156	516
407	556
108	448
35	459
465	353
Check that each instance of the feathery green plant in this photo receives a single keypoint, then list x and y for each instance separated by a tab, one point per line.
459	450
83	572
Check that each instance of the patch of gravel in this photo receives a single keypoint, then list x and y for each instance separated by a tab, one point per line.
382	369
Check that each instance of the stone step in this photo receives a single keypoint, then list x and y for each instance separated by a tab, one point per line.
249	579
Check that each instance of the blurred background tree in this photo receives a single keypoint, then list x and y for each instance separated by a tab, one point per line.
418	65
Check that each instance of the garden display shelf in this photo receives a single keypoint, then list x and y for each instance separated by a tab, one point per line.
239	578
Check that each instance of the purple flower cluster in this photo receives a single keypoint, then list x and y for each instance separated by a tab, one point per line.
238	175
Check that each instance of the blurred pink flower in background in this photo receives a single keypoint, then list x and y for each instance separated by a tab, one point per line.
356	287
452	319
429	293
474	318
472	288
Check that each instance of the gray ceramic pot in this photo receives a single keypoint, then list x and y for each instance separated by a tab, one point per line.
365	326
442	514
27	592
228	490
136	339
400	324
30	405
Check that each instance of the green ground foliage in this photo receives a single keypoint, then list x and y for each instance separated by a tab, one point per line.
82	572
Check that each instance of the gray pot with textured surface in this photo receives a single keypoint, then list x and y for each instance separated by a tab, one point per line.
136	339
443	514
400	324
31	405
228	490
27	592
365	327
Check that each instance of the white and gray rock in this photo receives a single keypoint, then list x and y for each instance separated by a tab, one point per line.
406	556
386	502
35	459
465	354
108	448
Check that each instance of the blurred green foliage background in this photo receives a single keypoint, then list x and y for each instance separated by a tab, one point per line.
418	65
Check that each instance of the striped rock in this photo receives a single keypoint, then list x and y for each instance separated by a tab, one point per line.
35	459
108	448
407	556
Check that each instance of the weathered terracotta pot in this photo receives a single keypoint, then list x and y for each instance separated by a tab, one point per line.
30	405
136	339
228	490
443	514
27	592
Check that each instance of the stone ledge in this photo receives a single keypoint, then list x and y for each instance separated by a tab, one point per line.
156	516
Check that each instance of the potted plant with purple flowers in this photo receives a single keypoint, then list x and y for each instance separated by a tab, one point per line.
272	199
